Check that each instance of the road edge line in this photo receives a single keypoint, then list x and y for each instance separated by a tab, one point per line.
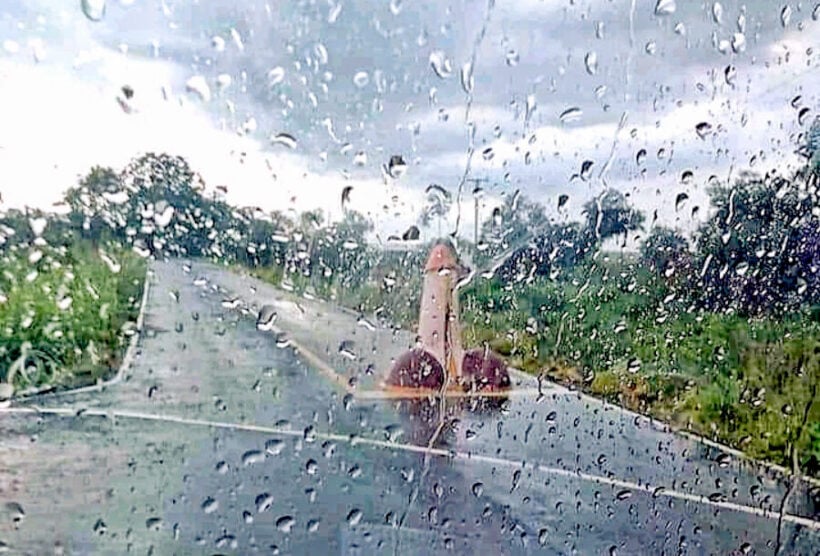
458	455
689	435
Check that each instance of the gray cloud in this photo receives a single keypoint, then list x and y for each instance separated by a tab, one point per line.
651	69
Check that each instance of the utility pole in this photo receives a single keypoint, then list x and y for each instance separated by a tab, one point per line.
476	195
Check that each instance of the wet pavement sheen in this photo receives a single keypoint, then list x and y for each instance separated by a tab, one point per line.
224	439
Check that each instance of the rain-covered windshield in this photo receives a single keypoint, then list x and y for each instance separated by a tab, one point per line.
409	277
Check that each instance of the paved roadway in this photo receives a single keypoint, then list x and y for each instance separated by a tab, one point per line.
225	439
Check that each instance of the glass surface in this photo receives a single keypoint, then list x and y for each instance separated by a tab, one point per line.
409	277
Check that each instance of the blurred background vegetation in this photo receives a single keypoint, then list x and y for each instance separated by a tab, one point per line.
718	334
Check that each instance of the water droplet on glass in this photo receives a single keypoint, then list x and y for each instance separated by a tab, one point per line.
562	200
100	527
15	511
543	537
571	115
361	79
624	494
285	139
586	169
680	199
478	489
285	523
354	517
93	9
395	6
346	350
275	76
786	15
218	43
263	502
209	505
441	64
803	115
730	74
591	62
512	58
467	80
311	467
738	43
266	318
199	87
153	523
252	456
651	47
396	166
717	13
665	7
703	129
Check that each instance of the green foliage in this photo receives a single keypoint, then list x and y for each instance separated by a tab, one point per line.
610	214
62	317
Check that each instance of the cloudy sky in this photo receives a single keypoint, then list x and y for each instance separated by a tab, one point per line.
533	88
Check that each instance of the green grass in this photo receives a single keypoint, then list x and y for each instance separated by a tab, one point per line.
617	334
64	317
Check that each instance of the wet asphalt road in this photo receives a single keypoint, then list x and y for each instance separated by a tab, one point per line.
225	439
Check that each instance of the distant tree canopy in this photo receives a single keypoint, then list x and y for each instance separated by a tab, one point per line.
665	252
759	251
543	248
610	215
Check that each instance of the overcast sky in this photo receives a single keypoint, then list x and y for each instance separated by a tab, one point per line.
347	77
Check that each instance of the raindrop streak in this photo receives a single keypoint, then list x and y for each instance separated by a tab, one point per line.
571	115
284	139
93	9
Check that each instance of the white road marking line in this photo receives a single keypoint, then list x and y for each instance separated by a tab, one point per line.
656	491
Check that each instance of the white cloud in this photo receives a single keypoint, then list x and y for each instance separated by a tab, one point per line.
62	125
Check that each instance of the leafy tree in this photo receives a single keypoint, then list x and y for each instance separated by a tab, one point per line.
510	226
665	252
556	248
437	205
758	250
610	215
